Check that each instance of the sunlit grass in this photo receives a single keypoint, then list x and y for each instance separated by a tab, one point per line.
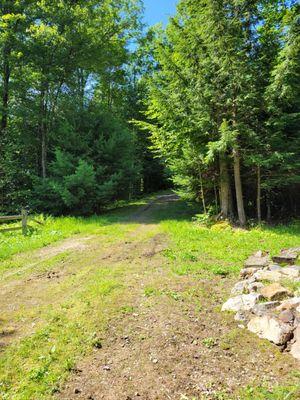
34	366
221	251
58	228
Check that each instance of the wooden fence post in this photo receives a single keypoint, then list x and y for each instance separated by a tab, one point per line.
24	221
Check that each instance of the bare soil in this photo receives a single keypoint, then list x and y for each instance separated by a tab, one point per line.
171	343
167	347
71	244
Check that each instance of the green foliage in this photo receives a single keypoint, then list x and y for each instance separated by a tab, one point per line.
226	88
85	183
68	92
219	249
209	342
64	331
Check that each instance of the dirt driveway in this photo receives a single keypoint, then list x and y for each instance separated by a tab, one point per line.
174	344
170	341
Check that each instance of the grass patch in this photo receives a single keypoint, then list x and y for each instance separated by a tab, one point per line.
218	250
229	340
58	228
291	285
209	342
276	393
67	329
55	229
34	367
153	291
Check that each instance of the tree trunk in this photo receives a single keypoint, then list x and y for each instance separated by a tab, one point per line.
43	130
238	187
231	205
44	152
202	193
268	201
216	198
224	186
4	111
258	200
5	90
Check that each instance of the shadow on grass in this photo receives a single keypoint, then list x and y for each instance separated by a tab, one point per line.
170	207
164	208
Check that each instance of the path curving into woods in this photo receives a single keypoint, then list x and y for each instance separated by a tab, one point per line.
160	336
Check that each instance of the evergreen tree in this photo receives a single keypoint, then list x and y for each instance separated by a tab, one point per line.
67	145
208	96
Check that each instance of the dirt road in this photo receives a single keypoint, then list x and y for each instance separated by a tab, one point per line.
165	347
169	342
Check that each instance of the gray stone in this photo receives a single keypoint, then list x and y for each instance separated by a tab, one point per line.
267	327
239	288
295	349
272	276
289	304
241	316
291	272
261	309
295	250
244	302
255	287
248	272
259	259
251	280
275	267
286	316
286	256
275	292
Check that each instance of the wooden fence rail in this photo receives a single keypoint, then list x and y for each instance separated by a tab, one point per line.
23	217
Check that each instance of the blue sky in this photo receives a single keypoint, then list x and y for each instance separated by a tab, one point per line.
159	10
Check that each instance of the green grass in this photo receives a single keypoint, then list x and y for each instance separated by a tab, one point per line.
68	329
293	286
221	250
197	248
33	367
58	228
209	342
277	393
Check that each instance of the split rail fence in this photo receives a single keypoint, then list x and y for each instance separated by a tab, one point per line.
23	218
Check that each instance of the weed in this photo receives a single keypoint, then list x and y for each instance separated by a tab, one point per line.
127	309
276	393
291	285
228	341
174	295
151	291
209	342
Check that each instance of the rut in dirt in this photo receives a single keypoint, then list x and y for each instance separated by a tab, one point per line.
166	347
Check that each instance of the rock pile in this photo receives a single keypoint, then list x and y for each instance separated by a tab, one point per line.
267	299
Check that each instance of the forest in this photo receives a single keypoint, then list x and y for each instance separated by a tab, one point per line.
149	199
96	107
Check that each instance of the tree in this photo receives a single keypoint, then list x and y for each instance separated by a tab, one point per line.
283	98
68	90
214	64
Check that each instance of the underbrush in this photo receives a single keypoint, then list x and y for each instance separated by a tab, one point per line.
220	249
